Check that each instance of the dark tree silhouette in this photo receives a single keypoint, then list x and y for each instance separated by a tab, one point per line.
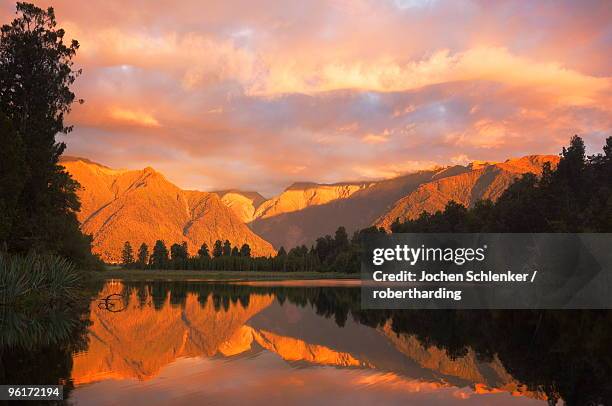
227	248
218	249
203	251
159	257
178	252
127	255
12	174
245	251
143	254
36	72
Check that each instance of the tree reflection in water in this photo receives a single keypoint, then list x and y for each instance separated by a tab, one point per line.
563	354
37	344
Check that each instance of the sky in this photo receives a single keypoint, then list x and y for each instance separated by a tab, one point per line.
258	95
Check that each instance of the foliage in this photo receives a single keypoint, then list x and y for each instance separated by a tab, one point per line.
38	280
227	249
218	249
37	197
245	251
330	254
203	251
159	257
143	254
127	254
12	173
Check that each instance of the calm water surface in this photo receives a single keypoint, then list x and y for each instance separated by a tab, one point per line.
186	344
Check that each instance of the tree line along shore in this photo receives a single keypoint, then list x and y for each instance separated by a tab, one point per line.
573	197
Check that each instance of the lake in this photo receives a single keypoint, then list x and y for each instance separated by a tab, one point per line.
184	343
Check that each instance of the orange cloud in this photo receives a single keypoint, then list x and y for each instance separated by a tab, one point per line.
385	171
494	64
376	138
484	134
133	117
259	98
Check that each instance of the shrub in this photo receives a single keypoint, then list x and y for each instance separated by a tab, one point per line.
37	279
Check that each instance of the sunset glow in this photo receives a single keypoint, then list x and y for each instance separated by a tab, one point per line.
232	95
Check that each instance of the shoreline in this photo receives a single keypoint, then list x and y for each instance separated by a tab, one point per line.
218	276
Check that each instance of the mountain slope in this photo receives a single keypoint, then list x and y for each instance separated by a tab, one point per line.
481	181
299	196
288	221
244	204
304	212
143	206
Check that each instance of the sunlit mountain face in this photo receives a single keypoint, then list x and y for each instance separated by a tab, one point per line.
141	206
222	96
161	343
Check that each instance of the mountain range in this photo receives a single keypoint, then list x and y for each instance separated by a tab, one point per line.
143	206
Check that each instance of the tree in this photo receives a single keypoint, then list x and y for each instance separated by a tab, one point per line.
159	258
324	247
245	251
12	173
235	252
36	72
203	251
127	255
218	249
341	239
281	252
227	248
143	254
178	252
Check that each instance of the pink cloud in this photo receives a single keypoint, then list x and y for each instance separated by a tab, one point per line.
222	94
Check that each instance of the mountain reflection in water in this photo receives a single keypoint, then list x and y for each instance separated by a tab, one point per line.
192	343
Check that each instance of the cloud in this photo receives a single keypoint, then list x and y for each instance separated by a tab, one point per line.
133	117
386	171
460	159
493	64
220	95
376	138
484	134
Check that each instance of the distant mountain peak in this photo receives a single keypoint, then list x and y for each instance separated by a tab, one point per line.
71	158
142	206
302	212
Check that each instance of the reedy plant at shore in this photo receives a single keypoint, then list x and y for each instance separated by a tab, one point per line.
37	280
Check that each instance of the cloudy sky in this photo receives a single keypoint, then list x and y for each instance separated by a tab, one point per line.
257	95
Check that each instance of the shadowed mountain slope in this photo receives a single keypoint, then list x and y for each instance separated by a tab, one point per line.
356	207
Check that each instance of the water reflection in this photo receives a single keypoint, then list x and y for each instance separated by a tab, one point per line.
37	344
185	343
191	343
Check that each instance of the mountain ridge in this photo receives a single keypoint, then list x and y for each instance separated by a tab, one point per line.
142	206
304	211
